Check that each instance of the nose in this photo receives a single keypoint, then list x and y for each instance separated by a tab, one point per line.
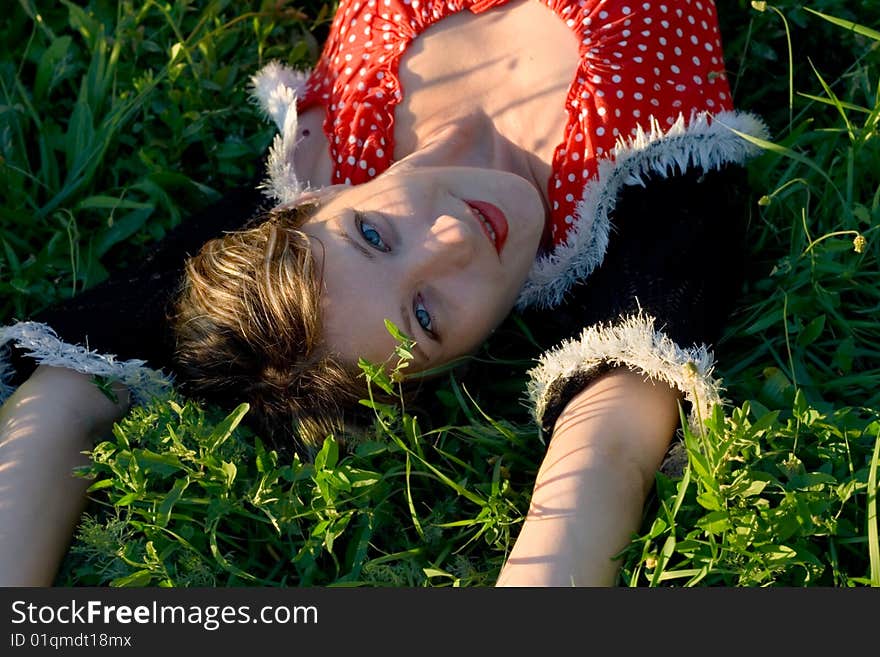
449	245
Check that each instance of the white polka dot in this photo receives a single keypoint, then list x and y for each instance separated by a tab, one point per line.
351	159
616	79
380	152
601	111
362	164
600	131
575	156
571	177
568	219
569	197
579	137
371	171
558	183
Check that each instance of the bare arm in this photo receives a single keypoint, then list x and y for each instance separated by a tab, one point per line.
591	486
44	428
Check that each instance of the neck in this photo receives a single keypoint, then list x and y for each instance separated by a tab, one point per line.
475	141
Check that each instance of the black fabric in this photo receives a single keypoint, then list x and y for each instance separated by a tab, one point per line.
126	314
676	250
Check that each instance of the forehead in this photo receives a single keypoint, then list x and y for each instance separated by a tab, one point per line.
358	295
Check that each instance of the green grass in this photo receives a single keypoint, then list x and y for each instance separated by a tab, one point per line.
118	120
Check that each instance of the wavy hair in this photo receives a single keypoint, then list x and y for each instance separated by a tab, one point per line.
248	327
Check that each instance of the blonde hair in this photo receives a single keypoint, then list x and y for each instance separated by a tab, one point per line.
247	323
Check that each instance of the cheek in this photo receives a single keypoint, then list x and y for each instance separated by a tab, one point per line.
489	305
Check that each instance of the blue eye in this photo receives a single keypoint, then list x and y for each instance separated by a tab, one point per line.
371	235
423	317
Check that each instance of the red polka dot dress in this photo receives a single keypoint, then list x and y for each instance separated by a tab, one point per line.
645	189
643	64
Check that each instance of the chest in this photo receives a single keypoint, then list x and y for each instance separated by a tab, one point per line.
514	63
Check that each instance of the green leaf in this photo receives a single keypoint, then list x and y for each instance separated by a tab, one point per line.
138	579
49	65
223	430
126	500
716	522
811	331
163	514
849	25
122	229
709	500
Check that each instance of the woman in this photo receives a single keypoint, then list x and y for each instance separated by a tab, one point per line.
443	163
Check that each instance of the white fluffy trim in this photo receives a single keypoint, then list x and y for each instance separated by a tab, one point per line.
705	142
276	88
633	342
40	342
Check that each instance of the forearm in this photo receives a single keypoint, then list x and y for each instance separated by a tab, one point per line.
592	484
44	428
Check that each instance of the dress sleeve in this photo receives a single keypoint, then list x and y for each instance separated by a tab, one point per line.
118	329
658	300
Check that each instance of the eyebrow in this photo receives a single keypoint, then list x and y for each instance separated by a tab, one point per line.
355	243
407	320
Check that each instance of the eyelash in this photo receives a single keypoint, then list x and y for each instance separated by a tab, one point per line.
364	227
360	222
418	304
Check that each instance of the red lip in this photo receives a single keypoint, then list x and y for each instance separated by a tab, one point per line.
495	217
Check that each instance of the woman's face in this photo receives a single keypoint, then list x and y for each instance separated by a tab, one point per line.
440	252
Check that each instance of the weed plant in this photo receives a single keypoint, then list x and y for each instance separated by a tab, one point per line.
120	119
